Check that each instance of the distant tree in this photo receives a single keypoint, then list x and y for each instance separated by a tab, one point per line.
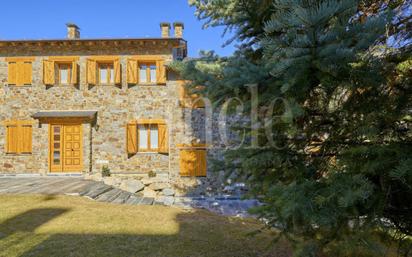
337	172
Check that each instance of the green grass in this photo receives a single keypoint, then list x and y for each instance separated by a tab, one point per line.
62	226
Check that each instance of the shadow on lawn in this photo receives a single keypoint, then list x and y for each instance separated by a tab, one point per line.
191	240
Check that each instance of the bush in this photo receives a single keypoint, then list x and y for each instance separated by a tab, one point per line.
106	172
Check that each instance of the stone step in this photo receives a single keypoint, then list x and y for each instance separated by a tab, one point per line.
90	187
147	201
109	195
99	190
134	200
122	198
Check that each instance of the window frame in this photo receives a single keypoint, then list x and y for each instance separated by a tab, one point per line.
110	69
149	136
69	73
148	64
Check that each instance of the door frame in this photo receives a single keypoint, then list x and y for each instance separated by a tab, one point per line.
62	123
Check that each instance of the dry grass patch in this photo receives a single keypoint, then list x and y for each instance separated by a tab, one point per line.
72	226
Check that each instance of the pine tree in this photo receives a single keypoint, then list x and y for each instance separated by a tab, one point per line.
338	171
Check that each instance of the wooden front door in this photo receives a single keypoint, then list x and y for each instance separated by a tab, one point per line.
66	148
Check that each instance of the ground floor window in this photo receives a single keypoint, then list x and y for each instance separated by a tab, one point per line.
193	162
18	137
147	136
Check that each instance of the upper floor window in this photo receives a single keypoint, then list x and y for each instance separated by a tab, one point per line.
19	71
104	70
64	73
60	70
106	74
150	71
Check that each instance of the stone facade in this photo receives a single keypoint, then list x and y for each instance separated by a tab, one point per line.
104	140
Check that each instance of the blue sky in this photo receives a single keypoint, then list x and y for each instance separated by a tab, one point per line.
46	19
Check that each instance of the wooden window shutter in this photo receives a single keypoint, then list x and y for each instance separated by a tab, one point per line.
193	162
27	73
19	138
188	164
132	72
48	72
131	138
117	72
12	73
91	72
25	132
163	138
74	78
161	72
201	163
12	136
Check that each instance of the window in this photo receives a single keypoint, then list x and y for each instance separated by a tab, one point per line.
19	137
104	70
64	70
19	71
148	73
147	136
146	70
60	70
106	74
193	161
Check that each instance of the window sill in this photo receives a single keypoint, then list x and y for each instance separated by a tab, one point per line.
19	86
62	85
107	85
19	154
151	85
148	152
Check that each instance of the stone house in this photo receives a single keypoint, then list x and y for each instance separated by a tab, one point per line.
75	106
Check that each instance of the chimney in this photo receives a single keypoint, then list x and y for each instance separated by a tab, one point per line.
178	27
165	28
73	32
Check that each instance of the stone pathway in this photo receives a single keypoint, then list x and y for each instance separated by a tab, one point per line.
75	186
98	191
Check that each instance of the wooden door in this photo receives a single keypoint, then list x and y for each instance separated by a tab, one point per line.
66	148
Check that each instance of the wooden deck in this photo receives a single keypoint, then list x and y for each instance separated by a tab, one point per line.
70	186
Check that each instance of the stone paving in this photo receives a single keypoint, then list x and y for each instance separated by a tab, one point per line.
75	186
98	191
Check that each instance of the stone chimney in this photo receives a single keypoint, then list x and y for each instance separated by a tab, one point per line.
165	28
178	27
73	31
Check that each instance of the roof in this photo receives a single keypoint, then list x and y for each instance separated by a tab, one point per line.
91	40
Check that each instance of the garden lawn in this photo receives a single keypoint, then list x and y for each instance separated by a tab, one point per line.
35	225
